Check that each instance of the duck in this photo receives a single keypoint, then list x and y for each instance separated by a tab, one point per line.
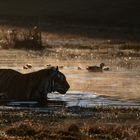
106	68
97	68
27	66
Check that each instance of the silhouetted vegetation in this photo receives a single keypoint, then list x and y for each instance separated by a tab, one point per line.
131	46
96	12
29	39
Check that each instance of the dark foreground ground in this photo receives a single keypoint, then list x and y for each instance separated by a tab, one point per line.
73	123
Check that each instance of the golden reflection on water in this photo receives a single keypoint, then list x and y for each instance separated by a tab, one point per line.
123	85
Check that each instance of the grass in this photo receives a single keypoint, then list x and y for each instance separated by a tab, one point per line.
101	123
28	39
131	46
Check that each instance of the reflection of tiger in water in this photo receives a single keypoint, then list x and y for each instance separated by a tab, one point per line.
32	86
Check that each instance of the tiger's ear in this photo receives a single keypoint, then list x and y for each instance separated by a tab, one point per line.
54	70
57	68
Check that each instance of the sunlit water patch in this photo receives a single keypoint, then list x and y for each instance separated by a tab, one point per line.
124	85
84	77
87	99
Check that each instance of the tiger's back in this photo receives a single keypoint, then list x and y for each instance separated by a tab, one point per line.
12	85
35	85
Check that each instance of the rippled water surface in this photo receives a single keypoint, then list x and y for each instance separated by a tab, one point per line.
85	99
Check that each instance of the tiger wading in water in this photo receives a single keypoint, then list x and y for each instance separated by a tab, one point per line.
32	86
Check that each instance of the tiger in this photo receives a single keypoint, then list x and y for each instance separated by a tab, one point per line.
32	86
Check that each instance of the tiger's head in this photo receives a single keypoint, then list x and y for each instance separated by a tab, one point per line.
58	81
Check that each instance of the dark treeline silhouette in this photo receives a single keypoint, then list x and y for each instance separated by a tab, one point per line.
123	13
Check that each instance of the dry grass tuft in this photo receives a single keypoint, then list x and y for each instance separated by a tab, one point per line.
21	130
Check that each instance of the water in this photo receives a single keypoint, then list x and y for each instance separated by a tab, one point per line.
87	99
111	88
122	85
89	89
56	102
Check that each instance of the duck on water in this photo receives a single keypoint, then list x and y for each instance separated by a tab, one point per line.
100	68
